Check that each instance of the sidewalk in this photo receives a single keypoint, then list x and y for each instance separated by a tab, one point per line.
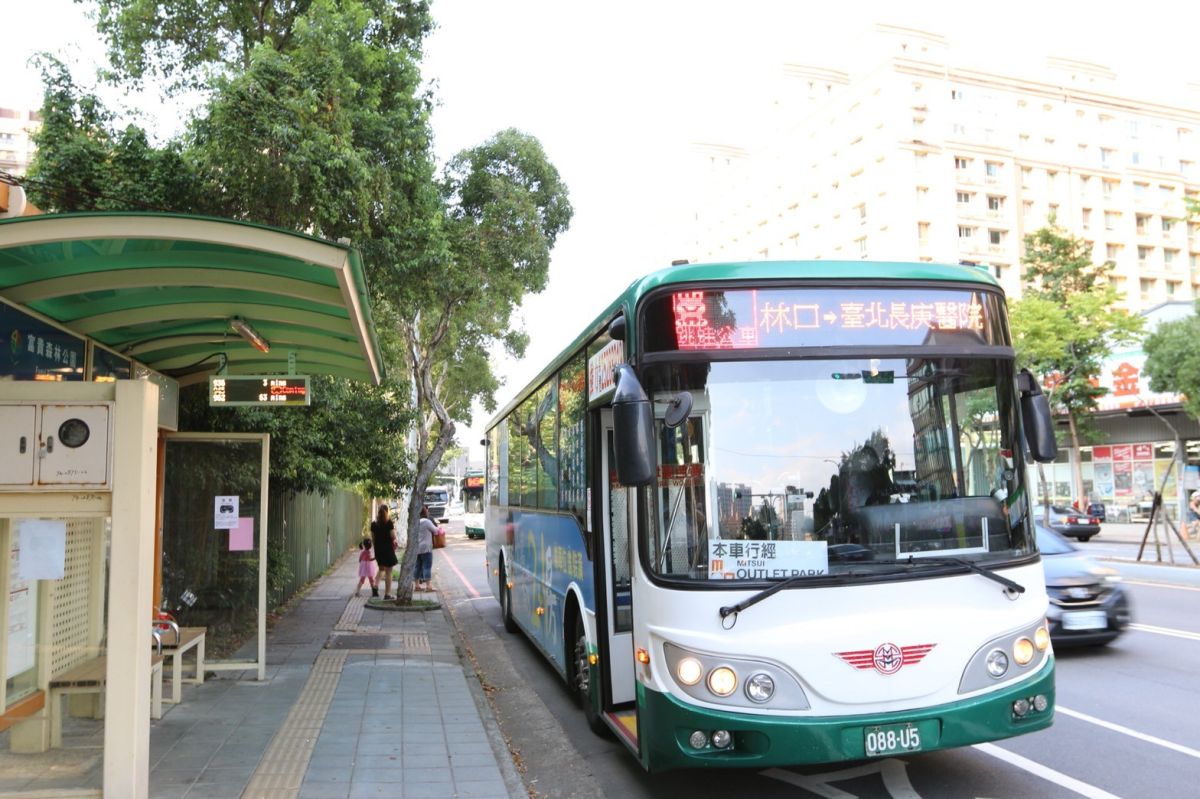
357	703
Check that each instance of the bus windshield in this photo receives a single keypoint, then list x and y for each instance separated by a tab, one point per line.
883	460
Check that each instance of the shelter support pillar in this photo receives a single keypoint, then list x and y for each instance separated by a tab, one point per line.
131	596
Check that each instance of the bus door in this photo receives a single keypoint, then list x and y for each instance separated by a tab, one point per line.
619	512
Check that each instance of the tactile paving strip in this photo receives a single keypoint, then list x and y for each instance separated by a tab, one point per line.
393	643
352	615
282	767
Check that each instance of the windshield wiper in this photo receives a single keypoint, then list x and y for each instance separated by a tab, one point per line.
966	564
730	610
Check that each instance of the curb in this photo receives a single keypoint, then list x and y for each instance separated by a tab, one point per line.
391	606
513	782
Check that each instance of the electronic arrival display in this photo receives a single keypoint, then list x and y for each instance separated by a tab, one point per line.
732	319
275	390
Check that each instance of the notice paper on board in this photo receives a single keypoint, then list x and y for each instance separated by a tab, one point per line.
43	549
225	513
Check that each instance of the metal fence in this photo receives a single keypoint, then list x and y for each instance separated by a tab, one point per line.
306	534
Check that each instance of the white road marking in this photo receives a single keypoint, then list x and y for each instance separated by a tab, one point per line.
1149	628
1141	736
893	772
1045	772
1150	584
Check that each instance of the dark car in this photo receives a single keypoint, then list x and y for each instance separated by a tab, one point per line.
1069	521
1098	510
1088	605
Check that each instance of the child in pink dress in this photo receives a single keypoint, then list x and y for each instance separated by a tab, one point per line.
366	567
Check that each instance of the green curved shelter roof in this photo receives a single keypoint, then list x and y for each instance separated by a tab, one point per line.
162	288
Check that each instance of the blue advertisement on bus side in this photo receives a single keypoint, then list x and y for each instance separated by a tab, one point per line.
548	556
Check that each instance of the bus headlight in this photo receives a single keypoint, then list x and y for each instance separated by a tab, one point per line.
722	681
760	688
689	671
1041	638
715	679
1023	651
1008	657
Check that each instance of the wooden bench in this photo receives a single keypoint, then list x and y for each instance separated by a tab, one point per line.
89	678
189	638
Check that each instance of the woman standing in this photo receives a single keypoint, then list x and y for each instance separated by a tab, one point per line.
383	536
425	532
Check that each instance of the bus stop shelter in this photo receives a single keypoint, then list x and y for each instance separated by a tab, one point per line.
109	314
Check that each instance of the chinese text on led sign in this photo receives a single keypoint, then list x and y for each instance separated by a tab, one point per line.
707	320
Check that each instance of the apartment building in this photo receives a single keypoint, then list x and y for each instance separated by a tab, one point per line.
913	157
16	144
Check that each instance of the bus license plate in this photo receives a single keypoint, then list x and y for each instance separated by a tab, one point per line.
891	738
1084	620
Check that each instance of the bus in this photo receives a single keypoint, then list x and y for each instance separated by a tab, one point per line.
774	514
472	499
437	500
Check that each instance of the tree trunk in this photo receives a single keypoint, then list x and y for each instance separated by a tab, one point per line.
1076	466
420	355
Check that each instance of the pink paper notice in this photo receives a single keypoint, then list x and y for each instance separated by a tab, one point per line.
241	538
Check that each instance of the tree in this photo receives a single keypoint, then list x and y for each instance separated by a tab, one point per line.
1066	326
315	119
504	205
1173	360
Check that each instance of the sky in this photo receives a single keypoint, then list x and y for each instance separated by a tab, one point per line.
616	92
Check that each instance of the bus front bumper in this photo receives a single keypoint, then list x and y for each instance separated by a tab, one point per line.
665	726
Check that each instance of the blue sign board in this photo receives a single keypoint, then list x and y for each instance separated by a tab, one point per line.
37	350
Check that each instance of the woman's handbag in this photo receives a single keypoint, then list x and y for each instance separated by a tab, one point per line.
439	538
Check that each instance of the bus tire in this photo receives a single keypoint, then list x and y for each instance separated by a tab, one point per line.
580	675
505	593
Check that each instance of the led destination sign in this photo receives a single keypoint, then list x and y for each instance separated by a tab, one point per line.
822	317
278	390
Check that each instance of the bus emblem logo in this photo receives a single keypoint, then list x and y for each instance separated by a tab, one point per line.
887	658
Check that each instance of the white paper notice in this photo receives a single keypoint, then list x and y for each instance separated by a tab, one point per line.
766	560
43	549
225	513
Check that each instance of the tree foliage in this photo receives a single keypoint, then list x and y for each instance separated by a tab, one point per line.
1173	360
1067	324
184	41
84	163
350	434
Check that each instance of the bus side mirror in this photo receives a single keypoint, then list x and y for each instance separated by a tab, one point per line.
1035	413
633	430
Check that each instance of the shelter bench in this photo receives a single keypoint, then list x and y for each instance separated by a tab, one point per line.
188	638
89	678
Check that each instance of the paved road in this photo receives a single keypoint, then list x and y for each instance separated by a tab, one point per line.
1125	726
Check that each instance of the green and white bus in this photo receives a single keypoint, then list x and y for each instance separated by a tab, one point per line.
769	514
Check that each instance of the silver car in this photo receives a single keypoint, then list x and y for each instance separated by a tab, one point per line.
1068	521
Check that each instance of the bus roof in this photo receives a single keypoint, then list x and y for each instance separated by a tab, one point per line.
751	271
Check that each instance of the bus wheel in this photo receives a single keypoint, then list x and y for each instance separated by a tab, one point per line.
581	679
506	601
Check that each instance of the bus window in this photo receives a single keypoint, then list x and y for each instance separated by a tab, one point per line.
572	459
618	520
879	457
546	440
680	544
